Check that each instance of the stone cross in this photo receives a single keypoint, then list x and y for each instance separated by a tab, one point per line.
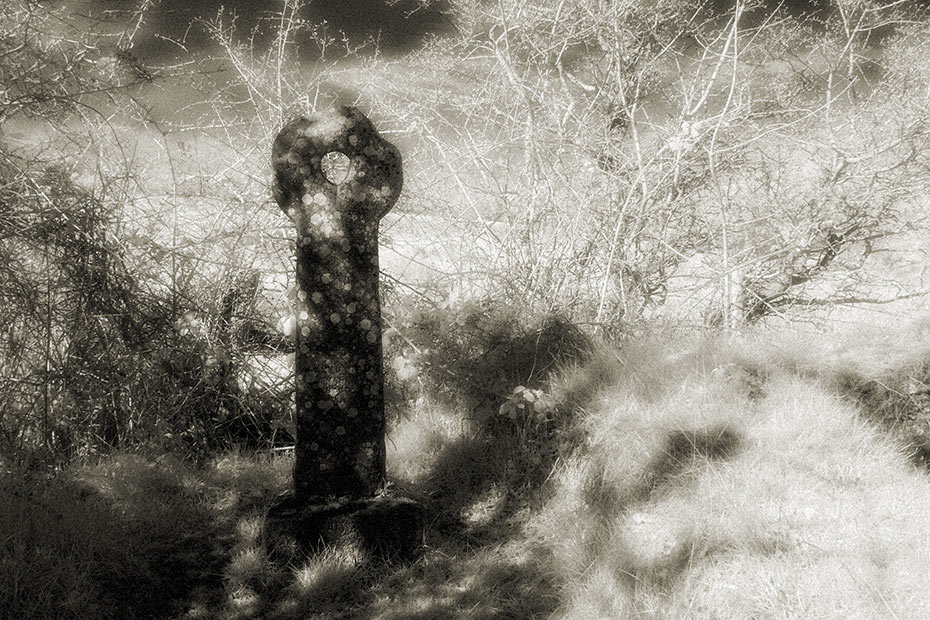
340	402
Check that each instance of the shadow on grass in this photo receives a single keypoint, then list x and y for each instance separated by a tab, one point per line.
488	584
682	451
477	560
898	404
471	362
120	543
474	563
683	454
128	538
142	538
451	580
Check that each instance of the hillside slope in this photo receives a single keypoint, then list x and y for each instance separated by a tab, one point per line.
751	491
706	478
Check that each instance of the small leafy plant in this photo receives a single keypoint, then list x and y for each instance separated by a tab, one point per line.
525	400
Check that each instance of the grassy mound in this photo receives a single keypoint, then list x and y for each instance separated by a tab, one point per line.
730	493
699	478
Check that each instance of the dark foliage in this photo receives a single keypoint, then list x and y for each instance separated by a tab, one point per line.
93	359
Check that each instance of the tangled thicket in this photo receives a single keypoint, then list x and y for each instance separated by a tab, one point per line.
681	160
92	358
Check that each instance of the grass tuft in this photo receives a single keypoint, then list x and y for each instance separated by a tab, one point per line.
747	483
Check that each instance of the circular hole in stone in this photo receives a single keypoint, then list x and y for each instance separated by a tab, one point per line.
335	167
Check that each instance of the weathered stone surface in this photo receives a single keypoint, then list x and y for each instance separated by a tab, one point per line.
340	407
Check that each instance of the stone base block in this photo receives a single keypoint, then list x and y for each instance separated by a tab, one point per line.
388	529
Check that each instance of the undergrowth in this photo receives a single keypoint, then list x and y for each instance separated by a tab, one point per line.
98	355
709	477
622	163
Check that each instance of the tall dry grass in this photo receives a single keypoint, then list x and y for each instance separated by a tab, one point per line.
712	477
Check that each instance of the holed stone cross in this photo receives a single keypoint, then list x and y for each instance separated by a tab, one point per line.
340	404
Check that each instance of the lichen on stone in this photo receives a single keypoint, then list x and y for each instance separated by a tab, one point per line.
340	408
